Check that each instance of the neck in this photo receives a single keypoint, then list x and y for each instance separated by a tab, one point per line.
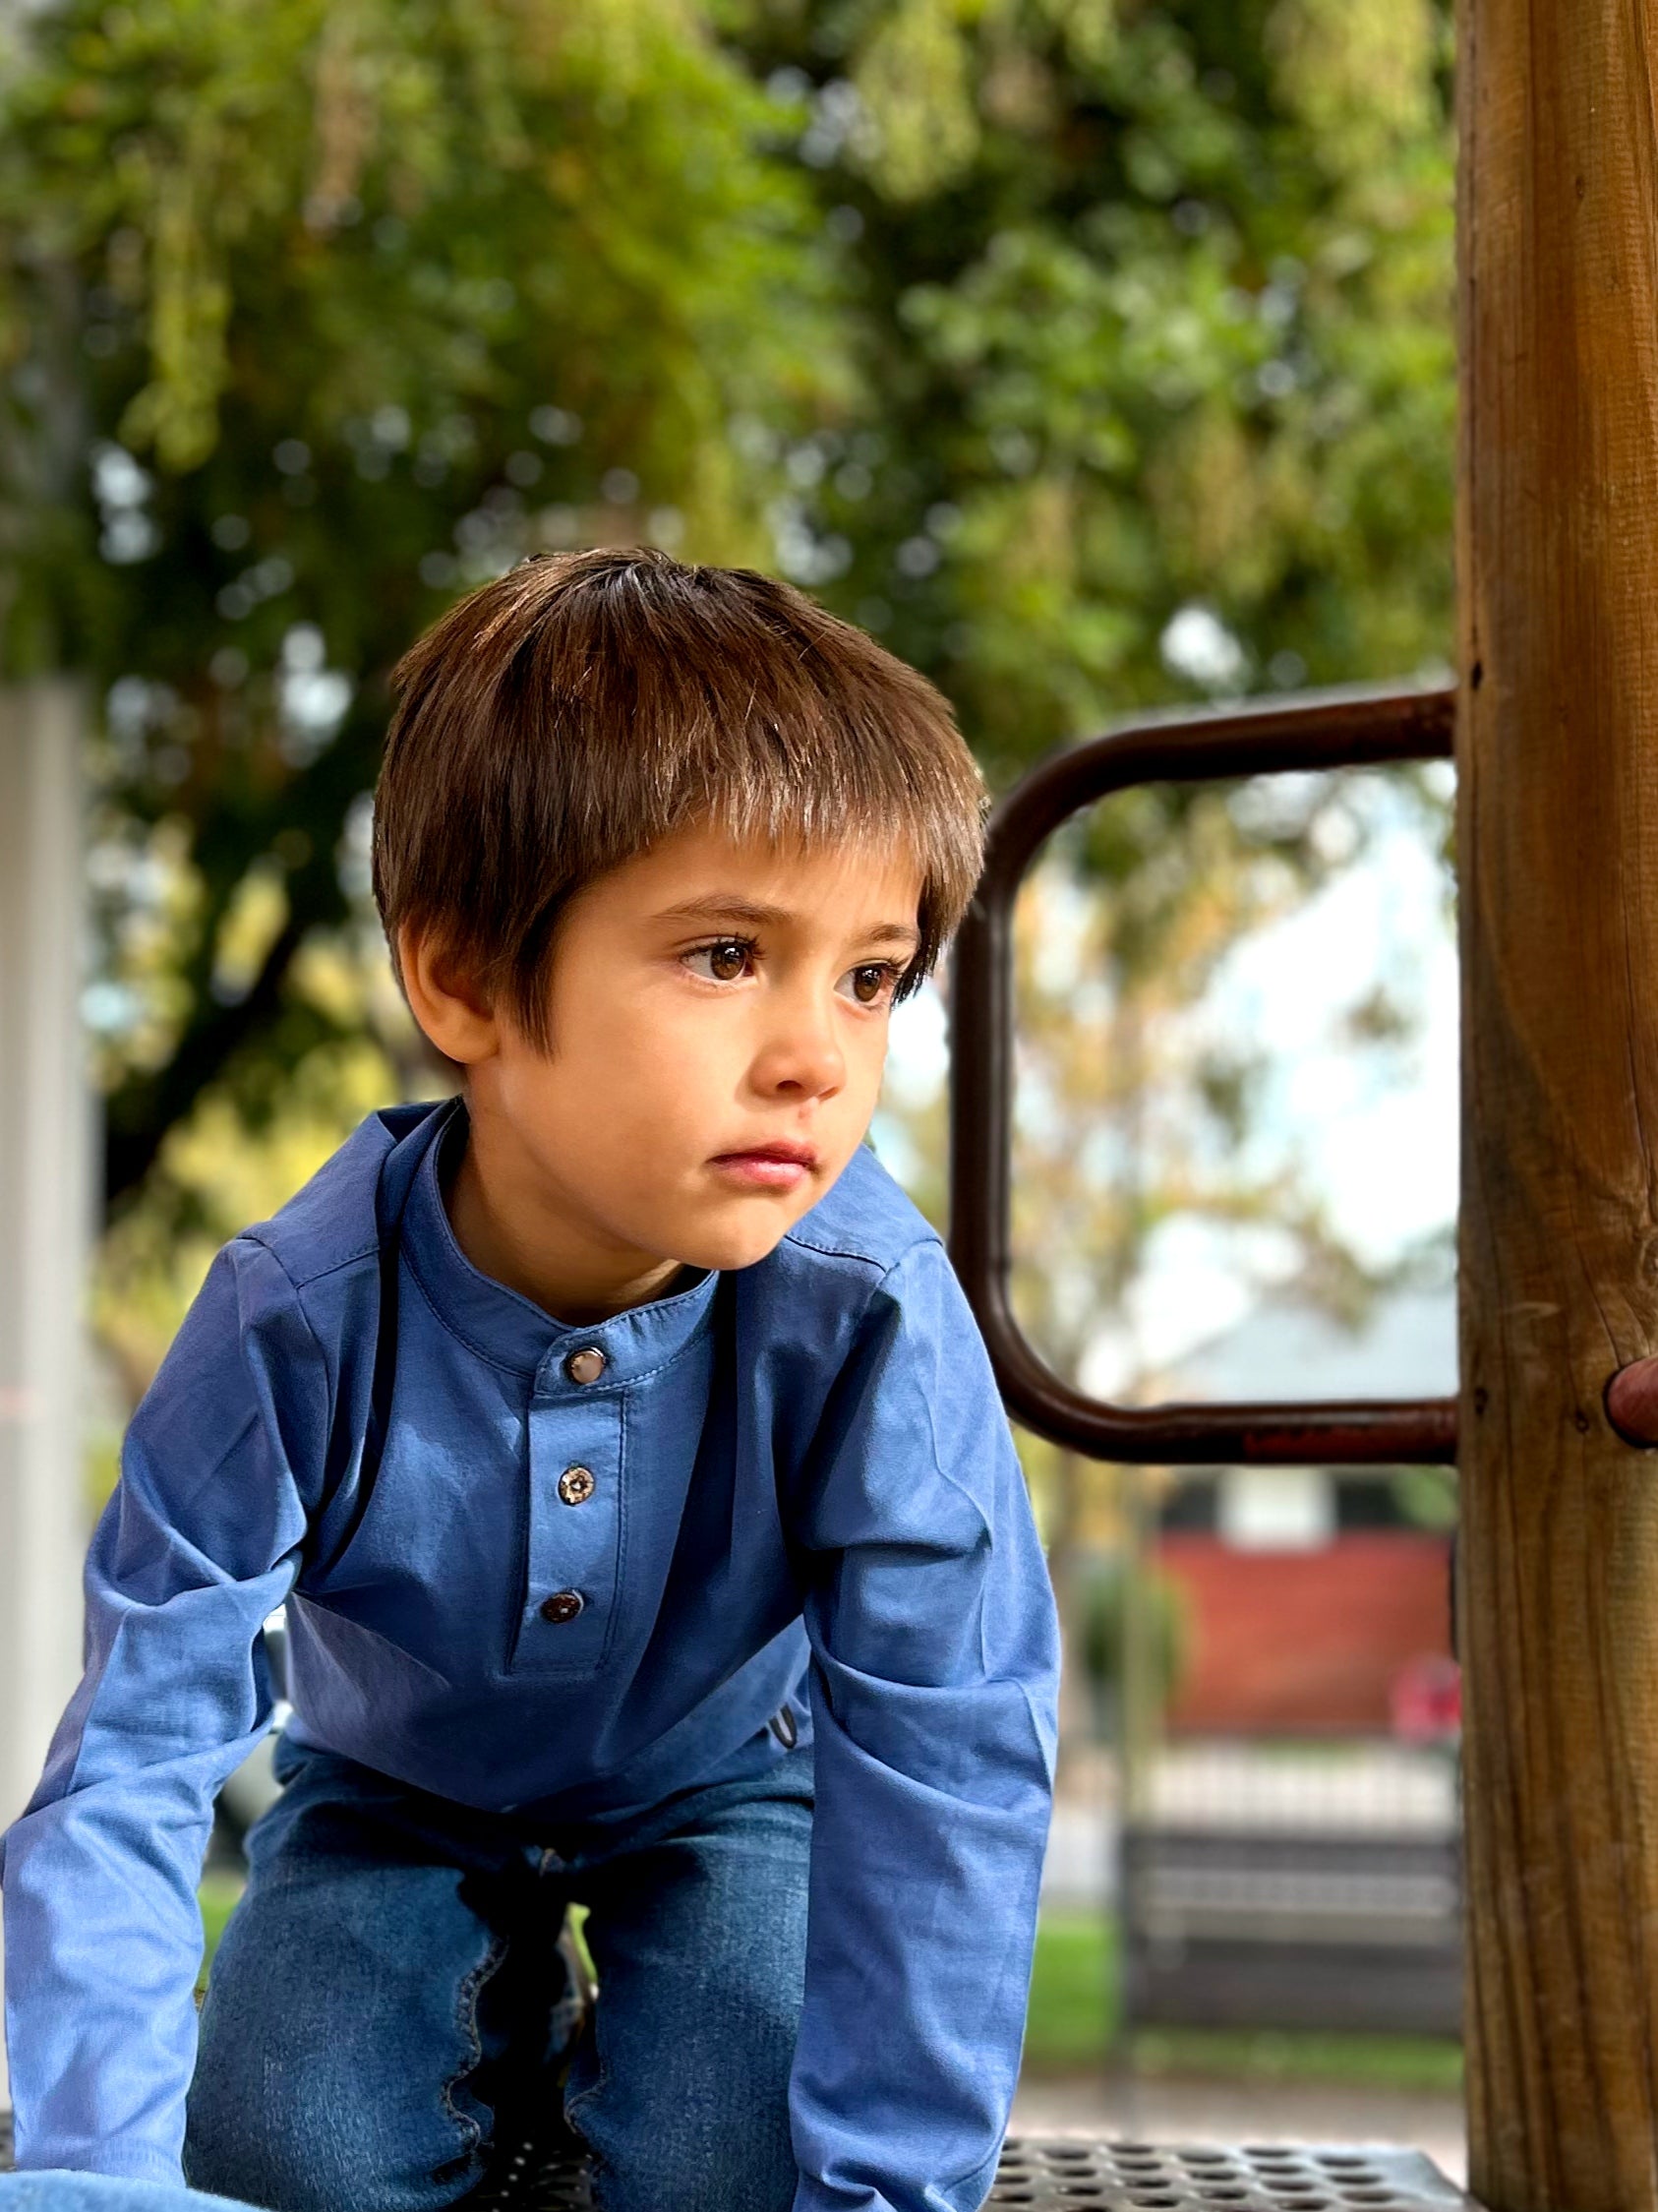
512	1230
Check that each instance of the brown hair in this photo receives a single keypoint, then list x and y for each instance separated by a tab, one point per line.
560	720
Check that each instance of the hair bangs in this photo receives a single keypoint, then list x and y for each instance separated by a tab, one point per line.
579	709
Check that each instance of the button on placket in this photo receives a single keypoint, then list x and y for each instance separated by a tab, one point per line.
574	1513
576	1486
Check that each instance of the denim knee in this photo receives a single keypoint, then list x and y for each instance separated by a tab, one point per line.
257	2134
725	2160
336	2049
681	2093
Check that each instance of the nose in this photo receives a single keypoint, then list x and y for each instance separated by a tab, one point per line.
801	1053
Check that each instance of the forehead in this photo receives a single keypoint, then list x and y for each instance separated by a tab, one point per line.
849	883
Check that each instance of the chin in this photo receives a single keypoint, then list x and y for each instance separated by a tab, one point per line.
738	1245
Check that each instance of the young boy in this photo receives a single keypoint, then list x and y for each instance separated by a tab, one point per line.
627	1456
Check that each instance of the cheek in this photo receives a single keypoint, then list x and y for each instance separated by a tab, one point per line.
867	1065
662	1064
622	1074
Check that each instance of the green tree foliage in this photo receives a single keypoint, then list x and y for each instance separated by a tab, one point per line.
312	312
1089	351
1155	305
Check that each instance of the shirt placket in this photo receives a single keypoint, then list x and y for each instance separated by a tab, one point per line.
575	1425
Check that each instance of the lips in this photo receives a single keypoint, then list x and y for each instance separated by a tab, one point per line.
770	1166
799	1156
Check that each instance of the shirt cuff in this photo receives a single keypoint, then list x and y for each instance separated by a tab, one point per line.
125	2162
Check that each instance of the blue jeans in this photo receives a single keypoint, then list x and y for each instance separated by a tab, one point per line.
388	2000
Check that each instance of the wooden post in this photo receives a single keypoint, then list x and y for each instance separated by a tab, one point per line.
45	1156
1557	837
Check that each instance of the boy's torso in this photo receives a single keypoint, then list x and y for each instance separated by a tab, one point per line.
536	1579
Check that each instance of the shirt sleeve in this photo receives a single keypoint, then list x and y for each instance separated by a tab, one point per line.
934	1688
198	1543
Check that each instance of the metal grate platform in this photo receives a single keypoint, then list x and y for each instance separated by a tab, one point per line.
1126	2177
1120	2176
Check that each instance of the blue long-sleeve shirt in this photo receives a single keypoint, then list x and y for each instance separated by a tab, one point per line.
802	1472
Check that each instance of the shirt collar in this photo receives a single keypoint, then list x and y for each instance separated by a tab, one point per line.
513	1331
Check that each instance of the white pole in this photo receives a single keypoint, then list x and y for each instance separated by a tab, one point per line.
45	1217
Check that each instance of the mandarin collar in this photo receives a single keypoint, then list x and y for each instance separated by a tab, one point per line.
512	1330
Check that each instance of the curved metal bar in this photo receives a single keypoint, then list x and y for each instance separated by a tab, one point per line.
1338	729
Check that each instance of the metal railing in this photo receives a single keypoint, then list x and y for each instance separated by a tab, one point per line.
1336	729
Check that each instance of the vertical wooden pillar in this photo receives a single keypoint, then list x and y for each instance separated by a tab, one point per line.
1557	834
44	1181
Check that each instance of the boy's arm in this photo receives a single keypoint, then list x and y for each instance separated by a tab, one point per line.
934	1689
198	1544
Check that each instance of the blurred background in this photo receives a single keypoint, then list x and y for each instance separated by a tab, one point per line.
1095	356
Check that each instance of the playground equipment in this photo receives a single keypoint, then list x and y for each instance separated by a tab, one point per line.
1316	731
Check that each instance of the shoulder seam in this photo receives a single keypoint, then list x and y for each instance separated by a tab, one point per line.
330	1381
297	1283
309	1325
930	1235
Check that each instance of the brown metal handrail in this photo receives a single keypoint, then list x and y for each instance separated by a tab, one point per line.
1335	728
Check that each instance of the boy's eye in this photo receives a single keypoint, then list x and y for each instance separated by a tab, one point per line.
873	981
726	957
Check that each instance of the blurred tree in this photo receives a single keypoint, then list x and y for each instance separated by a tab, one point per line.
1098	1681
1153	303
1089	351
312	312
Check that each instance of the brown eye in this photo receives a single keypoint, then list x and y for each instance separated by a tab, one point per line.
727	958
876	977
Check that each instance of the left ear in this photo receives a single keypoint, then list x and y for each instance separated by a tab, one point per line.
454	1014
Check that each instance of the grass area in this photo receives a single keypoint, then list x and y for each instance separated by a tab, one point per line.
1073	1992
217	1895
1431	2064
1074	2018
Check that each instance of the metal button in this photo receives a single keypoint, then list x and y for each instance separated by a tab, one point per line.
585	1365
564	1606
576	1486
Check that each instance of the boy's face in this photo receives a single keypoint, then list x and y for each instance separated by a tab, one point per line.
709	999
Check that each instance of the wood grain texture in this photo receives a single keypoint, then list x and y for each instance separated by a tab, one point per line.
1558	835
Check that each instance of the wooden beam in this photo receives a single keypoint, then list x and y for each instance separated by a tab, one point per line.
45	1154
1558	839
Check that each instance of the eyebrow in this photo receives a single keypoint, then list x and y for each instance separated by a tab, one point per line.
759	915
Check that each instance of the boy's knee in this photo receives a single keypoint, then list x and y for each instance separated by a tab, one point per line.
267	2131
697	2123
238	2148
266	2153
745	2167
